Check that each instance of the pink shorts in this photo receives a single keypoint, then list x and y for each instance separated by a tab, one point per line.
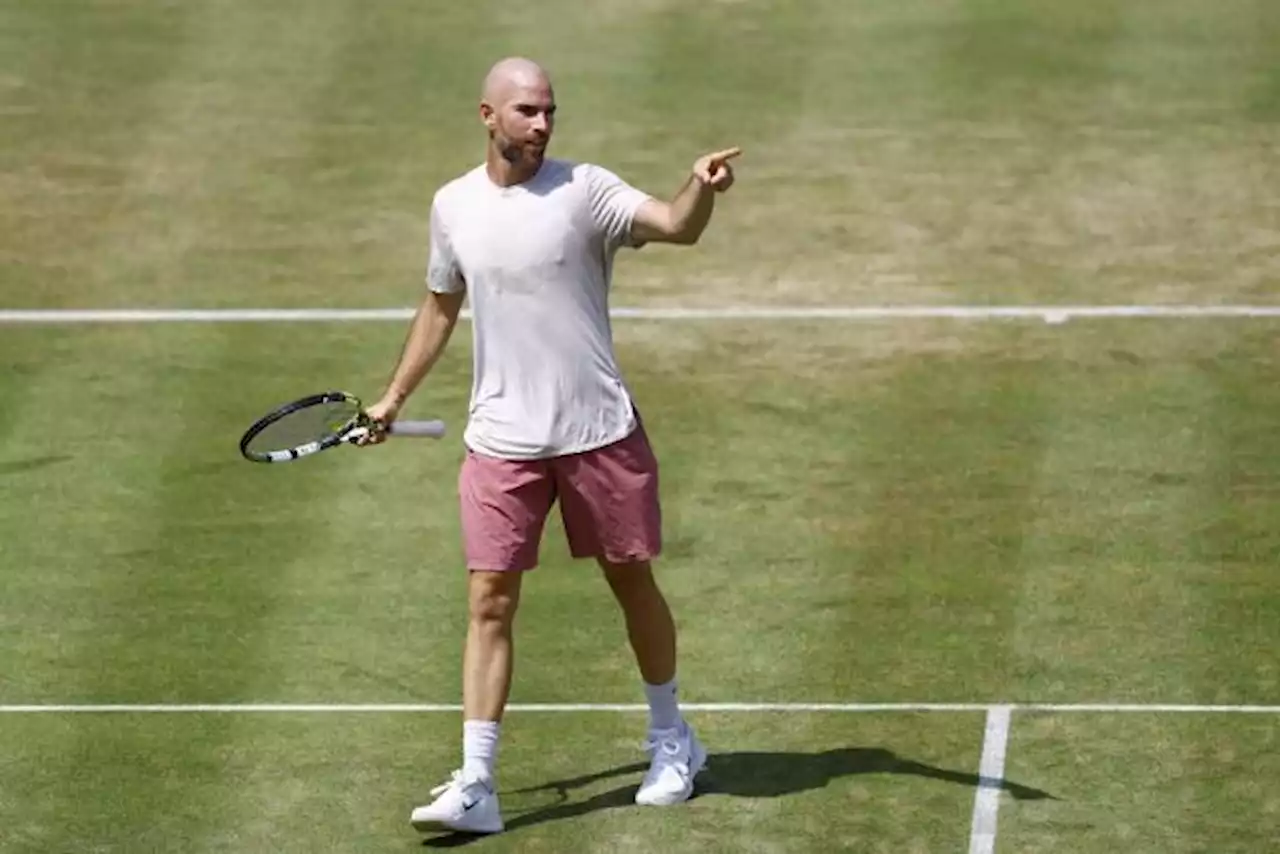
608	502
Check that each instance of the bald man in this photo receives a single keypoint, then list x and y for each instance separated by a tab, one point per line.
532	240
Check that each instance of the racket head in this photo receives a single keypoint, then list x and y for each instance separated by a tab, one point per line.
303	427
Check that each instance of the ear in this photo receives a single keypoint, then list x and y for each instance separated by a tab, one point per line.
488	115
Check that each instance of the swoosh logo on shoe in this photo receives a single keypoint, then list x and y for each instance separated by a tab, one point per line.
468	805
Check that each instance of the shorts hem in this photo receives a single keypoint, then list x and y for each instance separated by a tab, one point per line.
491	567
633	557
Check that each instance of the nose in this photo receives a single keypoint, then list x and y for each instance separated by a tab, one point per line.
540	122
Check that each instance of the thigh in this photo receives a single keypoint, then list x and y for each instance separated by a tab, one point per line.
609	501
504	506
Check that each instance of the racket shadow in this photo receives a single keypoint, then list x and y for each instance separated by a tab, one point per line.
737	774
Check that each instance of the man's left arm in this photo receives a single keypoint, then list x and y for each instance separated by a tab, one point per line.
683	219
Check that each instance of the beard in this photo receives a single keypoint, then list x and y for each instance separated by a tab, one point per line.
517	153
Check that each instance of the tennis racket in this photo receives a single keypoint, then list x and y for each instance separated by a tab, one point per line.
316	423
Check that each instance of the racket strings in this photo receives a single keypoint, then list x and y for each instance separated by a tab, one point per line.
302	426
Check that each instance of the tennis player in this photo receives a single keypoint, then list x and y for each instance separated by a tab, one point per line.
532	240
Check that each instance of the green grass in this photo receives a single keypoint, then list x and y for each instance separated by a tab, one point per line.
981	151
901	511
1144	783
348	783
920	512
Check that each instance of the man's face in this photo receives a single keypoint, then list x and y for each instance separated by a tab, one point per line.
521	124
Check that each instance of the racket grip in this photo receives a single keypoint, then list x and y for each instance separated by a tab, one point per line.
430	429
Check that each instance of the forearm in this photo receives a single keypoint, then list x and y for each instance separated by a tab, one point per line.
691	210
428	334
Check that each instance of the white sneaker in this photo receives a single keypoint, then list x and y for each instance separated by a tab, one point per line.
465	804
678	756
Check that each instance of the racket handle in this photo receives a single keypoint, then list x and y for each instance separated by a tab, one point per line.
431	429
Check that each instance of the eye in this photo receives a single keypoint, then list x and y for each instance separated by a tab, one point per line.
530	110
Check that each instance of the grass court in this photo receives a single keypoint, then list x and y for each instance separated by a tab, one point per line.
901	510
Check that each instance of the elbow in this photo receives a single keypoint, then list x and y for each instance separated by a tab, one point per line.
685	236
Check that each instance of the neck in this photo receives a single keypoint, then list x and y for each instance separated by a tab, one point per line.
504	173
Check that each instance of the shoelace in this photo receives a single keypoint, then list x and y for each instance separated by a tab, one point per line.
455	779
671	747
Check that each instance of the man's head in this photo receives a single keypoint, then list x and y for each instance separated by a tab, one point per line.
518	107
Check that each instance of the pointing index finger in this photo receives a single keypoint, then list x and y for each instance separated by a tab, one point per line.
727	154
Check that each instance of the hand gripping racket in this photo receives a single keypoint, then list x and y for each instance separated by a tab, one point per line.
316	423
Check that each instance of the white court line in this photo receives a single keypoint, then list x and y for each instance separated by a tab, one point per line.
382	708
1047	313
1159	708
323	708
986	802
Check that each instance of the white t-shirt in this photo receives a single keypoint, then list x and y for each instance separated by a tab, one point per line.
536	261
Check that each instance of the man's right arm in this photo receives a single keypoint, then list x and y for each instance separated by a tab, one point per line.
428	334
432	324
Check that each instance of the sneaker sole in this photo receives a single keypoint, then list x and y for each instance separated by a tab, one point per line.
426	825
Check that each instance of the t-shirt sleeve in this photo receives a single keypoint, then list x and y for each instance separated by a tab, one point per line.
614	203
444	274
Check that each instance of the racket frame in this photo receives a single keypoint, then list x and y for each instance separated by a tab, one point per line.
351	431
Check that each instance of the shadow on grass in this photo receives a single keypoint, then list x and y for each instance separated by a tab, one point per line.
740	775
32	464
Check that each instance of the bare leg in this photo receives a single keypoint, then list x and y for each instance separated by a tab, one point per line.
469	801
650	627
488	656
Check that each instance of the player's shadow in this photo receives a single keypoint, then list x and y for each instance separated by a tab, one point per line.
735	774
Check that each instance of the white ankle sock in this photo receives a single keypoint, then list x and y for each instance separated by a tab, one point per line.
480	748
664	710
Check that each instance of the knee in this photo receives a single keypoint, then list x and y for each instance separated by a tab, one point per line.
629	579
492	603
